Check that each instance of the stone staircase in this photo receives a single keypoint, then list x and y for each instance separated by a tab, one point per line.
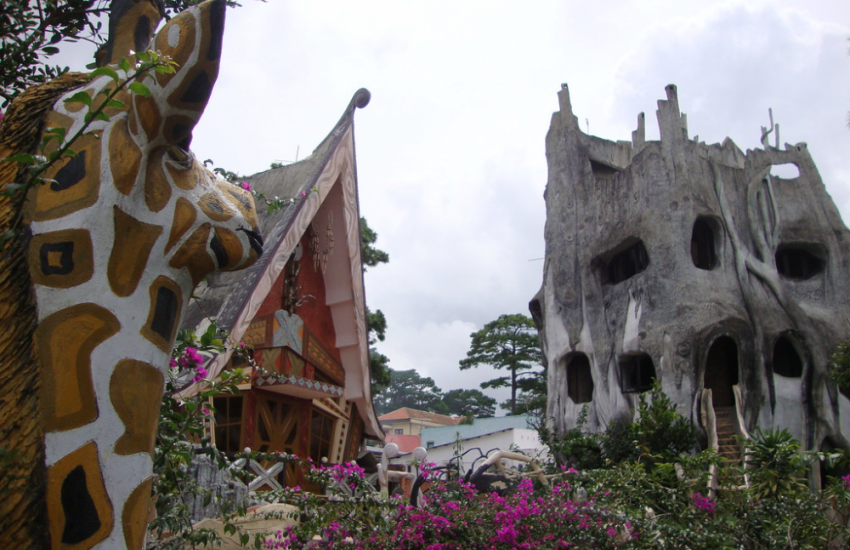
727	440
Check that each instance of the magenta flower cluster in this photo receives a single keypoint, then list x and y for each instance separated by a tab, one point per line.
190	359
705	504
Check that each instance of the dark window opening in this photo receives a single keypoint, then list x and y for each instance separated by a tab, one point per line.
637	373
625	264
721	371
794	262
703	251
321	433
429	445
579	379
602	170
228	423
165	312
829	446
786	360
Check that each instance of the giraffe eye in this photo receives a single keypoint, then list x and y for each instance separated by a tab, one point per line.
180	156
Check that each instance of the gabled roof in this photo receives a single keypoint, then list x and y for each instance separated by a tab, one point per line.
406	413
325	180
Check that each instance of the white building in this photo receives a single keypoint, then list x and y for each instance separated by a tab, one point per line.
485	434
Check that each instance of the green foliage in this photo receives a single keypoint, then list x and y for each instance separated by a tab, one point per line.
379	368
370	255
662	433
408	389
510	342
469	403
375	321
658	435
576	448
839	369
780	468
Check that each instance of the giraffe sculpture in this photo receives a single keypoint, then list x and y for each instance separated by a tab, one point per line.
116	241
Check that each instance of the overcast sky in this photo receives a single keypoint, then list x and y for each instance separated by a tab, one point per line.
450	151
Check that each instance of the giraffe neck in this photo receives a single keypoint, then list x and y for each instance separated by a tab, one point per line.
121	234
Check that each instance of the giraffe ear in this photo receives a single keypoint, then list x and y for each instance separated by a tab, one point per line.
131	26
193	40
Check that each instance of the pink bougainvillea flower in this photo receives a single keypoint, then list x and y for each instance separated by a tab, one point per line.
704	503
303	193
246	186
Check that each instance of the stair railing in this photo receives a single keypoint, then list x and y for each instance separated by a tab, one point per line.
709	422
741	430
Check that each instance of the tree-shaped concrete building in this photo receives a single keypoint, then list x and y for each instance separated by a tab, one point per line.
692	265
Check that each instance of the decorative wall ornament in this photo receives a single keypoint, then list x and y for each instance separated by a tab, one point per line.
315	247
289	331
291	288
329	246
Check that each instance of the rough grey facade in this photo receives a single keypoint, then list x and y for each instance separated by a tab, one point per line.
693	265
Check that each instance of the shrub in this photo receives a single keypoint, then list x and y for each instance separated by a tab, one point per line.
576	448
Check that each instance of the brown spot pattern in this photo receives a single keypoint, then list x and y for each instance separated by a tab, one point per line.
152	329
215	208
134	516
230	242
186	30
61	259
157	187
134	390
184	216
85	458
64	342
147	115
55	200
133	242
125	157
194	256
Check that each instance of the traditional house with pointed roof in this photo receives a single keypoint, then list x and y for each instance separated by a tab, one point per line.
301	309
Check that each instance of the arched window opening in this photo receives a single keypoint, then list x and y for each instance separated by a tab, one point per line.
625	264
703	245
602	170
786	360
837	471
579	378
798	262
637	373
786	171
721	371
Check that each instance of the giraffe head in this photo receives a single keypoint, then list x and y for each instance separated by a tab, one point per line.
136	168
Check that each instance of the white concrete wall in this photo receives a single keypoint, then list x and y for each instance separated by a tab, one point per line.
522	440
